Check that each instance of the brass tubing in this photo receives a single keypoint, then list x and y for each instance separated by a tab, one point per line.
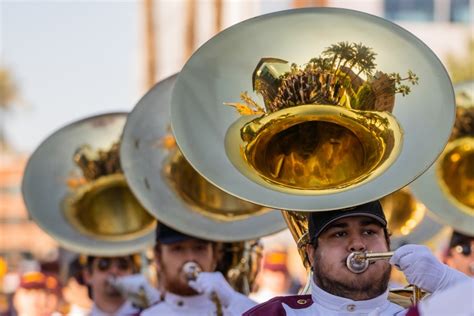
358	262
373	256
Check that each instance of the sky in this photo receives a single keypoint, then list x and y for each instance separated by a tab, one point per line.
72	59
69	60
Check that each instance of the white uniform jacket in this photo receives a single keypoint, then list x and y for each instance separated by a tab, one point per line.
198	305
127	309
321	303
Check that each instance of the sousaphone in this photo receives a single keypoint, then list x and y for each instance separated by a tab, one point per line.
329	108
330	123
171	190
447	188
75	191
177	195
409	220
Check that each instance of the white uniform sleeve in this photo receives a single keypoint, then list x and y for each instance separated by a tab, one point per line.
239	304
424	270
457	300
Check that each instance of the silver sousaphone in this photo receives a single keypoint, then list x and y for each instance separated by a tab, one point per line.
371	142
75	191
171	190
447	188
177	195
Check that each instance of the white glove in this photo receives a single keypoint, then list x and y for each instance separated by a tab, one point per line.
375	312
136	289
421	268
214	282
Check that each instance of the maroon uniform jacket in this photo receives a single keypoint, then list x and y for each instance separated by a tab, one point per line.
274	306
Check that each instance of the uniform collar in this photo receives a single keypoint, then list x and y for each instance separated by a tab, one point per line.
126	309
187	301
337	303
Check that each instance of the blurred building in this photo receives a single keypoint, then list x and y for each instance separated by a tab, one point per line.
444	25
20	238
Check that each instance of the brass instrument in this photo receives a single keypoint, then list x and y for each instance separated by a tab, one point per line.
271	153
75	191
358	262
447	187
174	193
328	131
192	270
409	220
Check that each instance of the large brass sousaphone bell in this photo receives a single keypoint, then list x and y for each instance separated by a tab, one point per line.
75	191
335	126
448	186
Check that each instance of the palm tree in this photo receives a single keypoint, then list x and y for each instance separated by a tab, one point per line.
150	44
8	94
8	90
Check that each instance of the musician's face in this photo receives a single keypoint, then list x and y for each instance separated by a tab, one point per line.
335	243
461	258
103	268
171	258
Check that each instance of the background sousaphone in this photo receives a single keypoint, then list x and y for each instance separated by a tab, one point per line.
89	210
173	192
447	188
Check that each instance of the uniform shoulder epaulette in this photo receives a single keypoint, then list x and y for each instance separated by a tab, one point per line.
275	305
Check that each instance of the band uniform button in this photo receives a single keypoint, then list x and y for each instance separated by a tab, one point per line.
301	301
351	307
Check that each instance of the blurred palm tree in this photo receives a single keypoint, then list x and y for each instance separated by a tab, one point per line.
8	96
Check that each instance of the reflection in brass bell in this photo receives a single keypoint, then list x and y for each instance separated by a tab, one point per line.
324	128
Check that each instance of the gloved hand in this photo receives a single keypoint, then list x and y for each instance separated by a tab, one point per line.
214	282
136	289
423	269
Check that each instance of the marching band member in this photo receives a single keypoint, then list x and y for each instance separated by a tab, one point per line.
460	254
108	300
337	291
208	294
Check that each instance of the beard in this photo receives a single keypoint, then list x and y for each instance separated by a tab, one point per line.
111	292
174	282
357	289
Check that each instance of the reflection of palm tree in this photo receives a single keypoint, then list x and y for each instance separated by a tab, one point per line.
333	51
347	54
8	94
364	59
